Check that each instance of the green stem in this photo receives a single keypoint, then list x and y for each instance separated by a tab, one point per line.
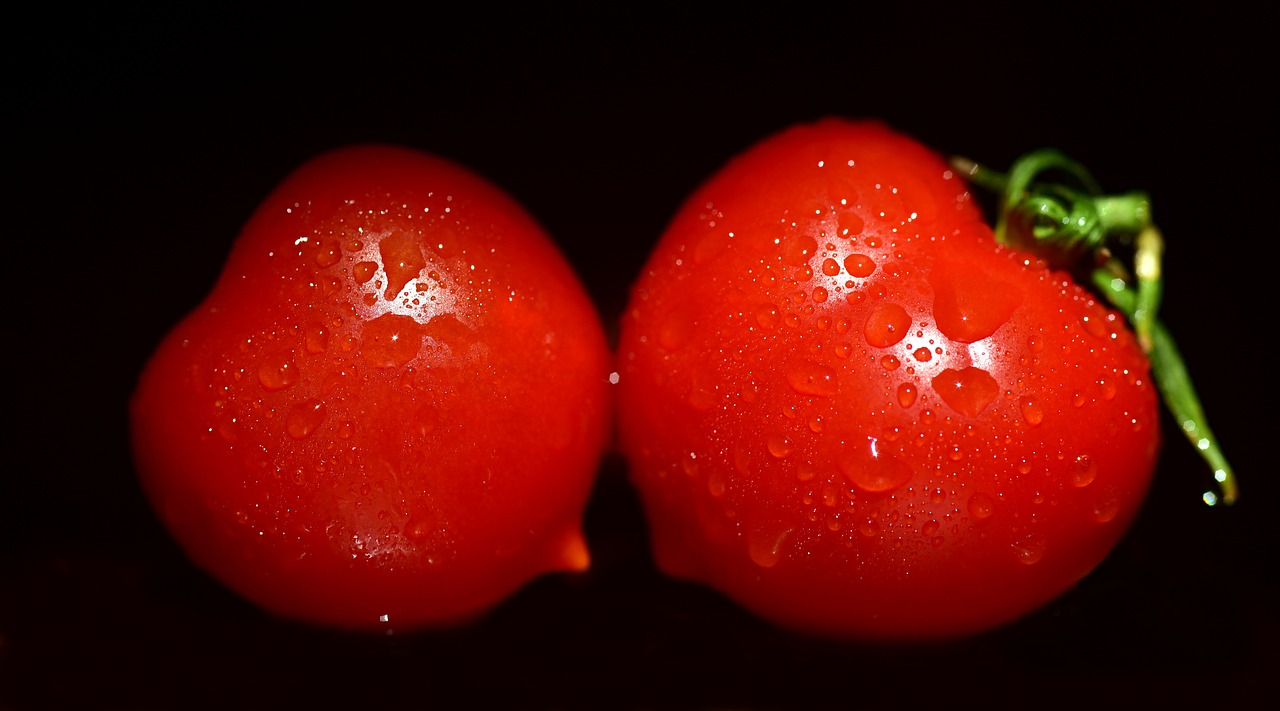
1065	219
1174	383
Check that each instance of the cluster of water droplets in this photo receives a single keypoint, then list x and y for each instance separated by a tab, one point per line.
934	350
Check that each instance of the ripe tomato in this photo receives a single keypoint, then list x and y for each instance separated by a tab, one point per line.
850	410
389	410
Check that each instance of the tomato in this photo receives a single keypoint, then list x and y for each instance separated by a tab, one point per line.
389	411
850	410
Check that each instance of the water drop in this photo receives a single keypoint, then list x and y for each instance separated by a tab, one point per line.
890	362
981	506
830	267
402	259
765	548
809	378
391	341
967	390
328	255
906	394
304	418
364	271
715	484
1084	471
970	305
849	224
1029	550
873	470
799	249
922	354
780	446
1032	413
1106	506
317	338
859	265
886	325
277	372
768	316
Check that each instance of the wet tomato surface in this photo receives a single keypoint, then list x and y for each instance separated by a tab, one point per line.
850	410
390	410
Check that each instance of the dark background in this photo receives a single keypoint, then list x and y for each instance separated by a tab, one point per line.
144	141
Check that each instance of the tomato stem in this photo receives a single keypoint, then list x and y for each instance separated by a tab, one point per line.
1064	219
1175	387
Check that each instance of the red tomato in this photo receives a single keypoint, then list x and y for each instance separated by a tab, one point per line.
850	410
389	411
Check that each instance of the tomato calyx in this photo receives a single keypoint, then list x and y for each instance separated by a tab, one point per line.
1051	205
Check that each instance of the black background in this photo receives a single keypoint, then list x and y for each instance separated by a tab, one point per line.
144	141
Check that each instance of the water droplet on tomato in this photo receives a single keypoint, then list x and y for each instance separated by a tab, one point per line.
859	265
870	469
304	418
1084	471
690	464
967	390
364	271
317	338
1106	506
922	354
768	316
779	446
402	260
887	324
391	341
1029	550
1094	323
799	249
715	484
328	255
830	267
869	528
849	224
981	506
809	378
906	394
1032	413
970	305
277	372
765	547
805	471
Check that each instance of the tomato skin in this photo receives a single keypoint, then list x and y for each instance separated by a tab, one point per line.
851	411
389	411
